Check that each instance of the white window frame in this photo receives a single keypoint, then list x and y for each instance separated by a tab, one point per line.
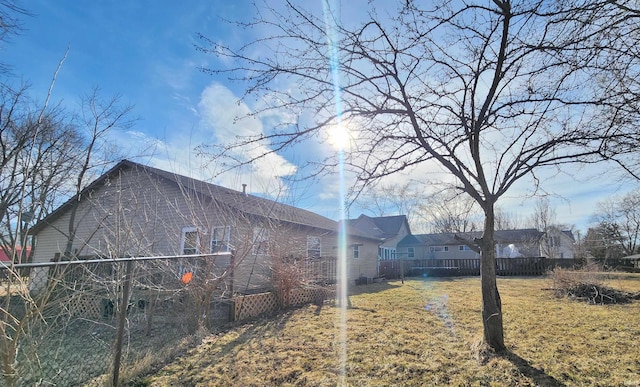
464	248
260	241
314	244
411	252
438	249
220	238
183	240
356	252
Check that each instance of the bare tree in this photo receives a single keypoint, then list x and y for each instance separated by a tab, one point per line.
493	93
392	199
544	219
544	216
37	152
619	219
611	28
450	212
508	220
99	118
10	24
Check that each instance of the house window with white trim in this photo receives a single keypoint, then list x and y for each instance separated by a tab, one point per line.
220	237
313	247
411	252
190	241
464	248
435	249
260	241
356	251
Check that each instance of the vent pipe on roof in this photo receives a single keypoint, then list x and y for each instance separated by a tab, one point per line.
244	189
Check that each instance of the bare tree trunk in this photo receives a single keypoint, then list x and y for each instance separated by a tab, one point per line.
491	304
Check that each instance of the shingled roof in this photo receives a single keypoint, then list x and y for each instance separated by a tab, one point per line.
442	239
246	203
381	227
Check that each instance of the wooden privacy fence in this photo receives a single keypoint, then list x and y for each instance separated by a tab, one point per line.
530	266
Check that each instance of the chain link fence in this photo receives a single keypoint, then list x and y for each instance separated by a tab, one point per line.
104	321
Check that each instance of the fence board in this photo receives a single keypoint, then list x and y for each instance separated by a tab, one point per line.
530	266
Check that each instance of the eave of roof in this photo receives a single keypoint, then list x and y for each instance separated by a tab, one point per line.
249	204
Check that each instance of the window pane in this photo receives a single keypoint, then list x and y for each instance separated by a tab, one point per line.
313	246
220	239
190	245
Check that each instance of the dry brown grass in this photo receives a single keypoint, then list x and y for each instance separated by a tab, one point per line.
426	332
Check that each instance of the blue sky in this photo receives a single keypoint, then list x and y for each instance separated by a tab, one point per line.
145	51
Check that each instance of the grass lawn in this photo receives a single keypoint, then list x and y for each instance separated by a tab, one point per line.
426	332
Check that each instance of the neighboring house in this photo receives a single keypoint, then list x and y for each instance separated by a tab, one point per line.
5	253
388	229
632	260
135	210
558	243
509	244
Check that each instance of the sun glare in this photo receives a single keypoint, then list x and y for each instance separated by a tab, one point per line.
339	137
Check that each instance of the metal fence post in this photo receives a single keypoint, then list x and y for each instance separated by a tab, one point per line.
126	288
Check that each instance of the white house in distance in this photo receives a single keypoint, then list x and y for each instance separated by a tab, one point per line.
557	243
136	211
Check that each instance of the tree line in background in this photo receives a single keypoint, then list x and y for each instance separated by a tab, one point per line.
616	233
447	211
48	152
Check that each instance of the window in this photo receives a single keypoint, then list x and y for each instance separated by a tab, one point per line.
554	241
190	241
464	248
260	239
411	252
356	251
220	239
434	249
313	246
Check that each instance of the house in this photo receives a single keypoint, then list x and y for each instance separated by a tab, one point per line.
137	211
509	244
6	254
557	243
389	230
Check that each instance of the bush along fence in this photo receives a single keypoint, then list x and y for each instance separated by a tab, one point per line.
531	266
105	321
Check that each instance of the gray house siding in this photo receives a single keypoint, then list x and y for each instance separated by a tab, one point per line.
509	244
140	211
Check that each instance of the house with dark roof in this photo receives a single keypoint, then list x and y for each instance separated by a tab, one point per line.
389	230
139	211
509	244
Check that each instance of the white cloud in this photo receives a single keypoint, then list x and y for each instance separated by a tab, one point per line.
230	121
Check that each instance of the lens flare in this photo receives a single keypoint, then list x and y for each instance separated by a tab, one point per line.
331	30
